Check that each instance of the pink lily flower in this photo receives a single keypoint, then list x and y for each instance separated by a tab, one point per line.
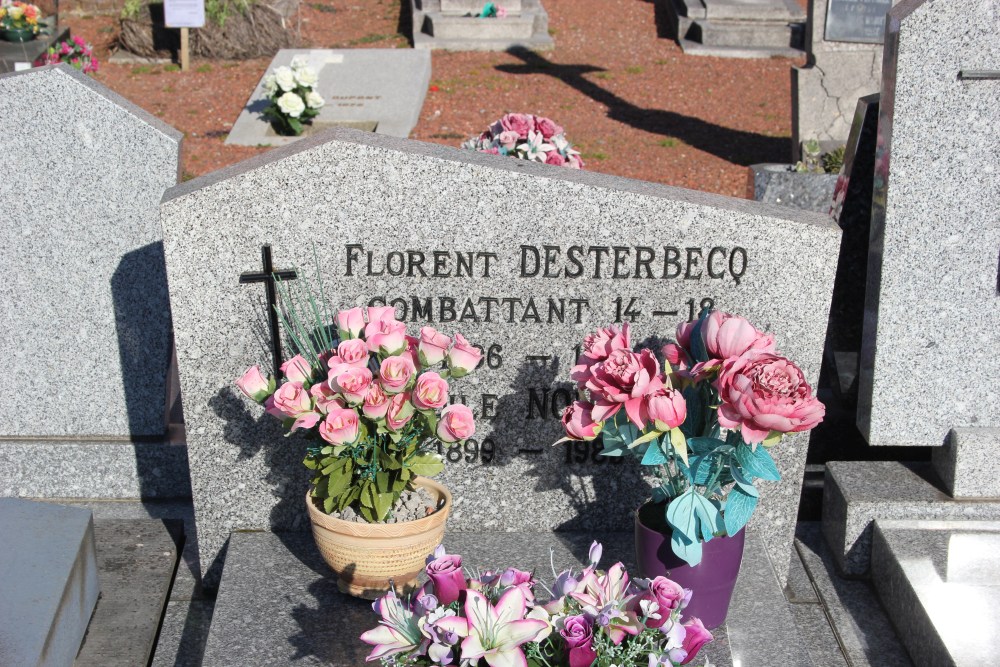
496	633
397	632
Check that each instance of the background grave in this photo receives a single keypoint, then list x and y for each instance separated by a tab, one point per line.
376	90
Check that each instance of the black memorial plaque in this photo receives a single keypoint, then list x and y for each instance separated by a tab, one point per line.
857	21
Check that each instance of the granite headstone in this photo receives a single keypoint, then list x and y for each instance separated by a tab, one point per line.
856	20
932	311
524	259
85	294
376	90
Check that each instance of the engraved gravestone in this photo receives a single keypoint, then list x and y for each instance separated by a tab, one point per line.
524	259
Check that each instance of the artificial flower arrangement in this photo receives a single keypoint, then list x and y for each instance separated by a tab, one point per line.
293	99
492	10
375	399
18	15
75	52
721	373
592	619
527	137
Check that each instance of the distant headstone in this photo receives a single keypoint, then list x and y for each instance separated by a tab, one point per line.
929	359
839	70
856	20
85	294
376	90
457	25
48	581
524	259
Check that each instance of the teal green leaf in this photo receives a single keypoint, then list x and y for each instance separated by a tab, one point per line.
739	508
688	550
757	463
654	455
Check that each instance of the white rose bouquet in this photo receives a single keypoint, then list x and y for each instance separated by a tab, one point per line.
294	102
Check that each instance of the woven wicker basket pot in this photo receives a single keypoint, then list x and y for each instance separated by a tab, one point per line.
366	556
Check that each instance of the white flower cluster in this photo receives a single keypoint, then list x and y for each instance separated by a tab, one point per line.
291	88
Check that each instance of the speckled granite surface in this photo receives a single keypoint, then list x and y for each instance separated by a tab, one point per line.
403	201
278	600
966	462
938	582
857	493
932	315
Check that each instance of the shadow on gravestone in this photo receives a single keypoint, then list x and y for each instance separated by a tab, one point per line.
736	146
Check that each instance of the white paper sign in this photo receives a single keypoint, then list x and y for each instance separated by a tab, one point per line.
184	13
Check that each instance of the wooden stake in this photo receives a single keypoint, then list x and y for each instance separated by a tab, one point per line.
185	60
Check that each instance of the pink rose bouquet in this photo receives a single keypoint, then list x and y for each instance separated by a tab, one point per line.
592	618
529	138
375	402
704	418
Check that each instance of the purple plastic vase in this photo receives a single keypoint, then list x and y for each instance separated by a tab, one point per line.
712	580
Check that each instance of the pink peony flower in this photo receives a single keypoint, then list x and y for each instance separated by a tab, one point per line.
430	392
395	373
433	346
341	426
399	412
597	347
449	581
763	392
547	127
456	424
508	139
578	421
666	408
624	379
464	357
350	323
696	637
578	633
353	384
728	336
518	122
254	385
376	402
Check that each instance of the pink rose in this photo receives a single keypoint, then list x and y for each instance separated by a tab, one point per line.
350	323
254	385
456	423
578	421
508	139
666	409
624	379
761	393
353	384
668	596
395	373
554	158
518	122
446	573
381	314
353	352
547	127
297	369
324	397
433	346
463	357
386	337
291	399
340	426
399	412
696	637
578	633
430	392
376	402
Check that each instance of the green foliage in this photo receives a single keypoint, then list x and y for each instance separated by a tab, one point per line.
833	161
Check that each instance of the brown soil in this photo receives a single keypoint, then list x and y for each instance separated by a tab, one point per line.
629	99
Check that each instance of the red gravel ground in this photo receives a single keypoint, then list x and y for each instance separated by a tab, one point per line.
630	100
